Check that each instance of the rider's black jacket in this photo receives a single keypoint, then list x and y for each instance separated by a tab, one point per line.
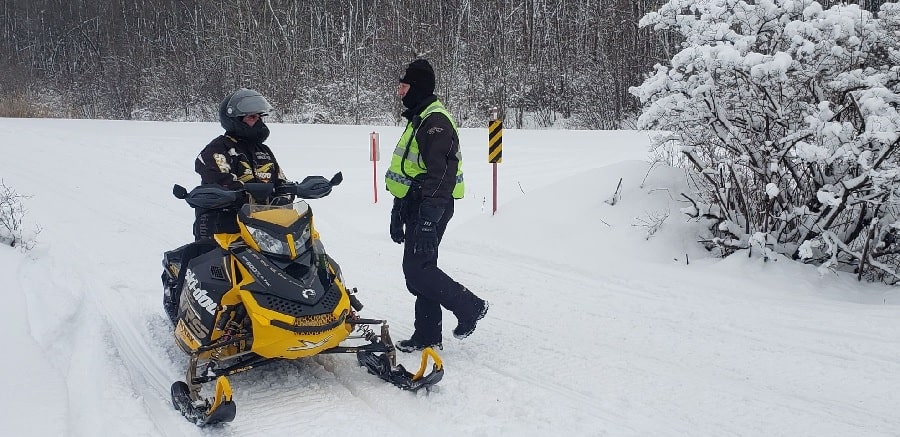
231	162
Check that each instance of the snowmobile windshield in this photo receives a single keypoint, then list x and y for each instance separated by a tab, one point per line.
281	231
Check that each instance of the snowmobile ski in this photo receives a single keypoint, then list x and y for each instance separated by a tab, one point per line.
205	411
381	366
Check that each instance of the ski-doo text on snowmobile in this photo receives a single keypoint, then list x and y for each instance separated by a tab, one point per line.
267	293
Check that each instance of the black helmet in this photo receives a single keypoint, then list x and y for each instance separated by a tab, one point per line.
238	104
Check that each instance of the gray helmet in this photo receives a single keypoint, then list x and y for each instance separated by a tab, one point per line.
245	102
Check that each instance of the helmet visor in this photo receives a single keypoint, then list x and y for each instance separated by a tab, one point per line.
246	102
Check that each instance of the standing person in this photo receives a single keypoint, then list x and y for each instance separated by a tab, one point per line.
425	178
236	157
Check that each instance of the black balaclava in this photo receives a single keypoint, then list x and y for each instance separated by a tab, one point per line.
420	77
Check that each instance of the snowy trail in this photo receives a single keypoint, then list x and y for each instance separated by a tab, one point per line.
117	303
593	330
730	350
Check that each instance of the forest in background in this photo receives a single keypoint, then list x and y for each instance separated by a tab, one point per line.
543	63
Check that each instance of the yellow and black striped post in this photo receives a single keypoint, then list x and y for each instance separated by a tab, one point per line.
495	141
495	148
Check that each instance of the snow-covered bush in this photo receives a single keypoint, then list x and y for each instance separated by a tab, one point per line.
788	113
12	213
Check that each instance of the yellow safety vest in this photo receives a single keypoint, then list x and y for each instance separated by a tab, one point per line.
405	163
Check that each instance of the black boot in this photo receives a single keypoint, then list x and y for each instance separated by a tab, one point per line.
414	344
465	328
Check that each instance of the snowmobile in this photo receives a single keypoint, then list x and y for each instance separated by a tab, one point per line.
268	293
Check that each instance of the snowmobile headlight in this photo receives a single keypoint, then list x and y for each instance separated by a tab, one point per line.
300	243
267	243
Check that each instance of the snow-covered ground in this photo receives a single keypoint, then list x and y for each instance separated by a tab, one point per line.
593	329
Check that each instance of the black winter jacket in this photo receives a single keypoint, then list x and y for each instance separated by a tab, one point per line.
231	162
438	148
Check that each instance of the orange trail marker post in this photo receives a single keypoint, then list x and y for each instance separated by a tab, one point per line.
374	156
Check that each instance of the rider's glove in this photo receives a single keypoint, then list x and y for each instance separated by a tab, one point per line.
397	221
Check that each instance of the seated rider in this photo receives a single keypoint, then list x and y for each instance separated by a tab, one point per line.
237	157
230	160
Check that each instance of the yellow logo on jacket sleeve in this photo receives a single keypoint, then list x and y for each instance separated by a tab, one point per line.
222	162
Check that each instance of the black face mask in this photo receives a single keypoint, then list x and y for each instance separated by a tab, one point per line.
413	97
257	133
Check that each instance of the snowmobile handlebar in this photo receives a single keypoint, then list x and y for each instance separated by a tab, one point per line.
213	196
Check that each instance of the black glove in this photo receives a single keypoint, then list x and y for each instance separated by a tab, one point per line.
397	222
430	213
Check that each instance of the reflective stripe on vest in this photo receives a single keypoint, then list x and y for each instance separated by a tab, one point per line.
406	164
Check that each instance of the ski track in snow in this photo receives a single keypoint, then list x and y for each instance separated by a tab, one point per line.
150	378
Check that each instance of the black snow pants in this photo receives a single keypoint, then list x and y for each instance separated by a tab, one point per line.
432	287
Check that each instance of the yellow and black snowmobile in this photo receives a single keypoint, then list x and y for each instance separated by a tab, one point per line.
267	293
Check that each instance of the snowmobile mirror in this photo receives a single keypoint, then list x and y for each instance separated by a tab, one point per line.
179	192
337	179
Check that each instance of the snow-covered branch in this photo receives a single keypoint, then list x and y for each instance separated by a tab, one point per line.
12	214
788	113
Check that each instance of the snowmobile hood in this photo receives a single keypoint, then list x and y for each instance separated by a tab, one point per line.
271	280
